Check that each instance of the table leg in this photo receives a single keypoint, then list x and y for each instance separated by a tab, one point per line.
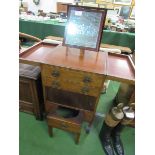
77	138
50	131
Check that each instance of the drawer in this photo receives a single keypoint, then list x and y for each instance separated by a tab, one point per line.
73	76
61	123
72	87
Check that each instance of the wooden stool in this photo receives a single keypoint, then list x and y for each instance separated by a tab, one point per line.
30	90
71	124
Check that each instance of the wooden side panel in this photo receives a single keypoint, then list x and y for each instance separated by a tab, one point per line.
30	96
25	90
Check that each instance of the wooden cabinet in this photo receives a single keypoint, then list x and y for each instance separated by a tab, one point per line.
30	90
73	81
71	88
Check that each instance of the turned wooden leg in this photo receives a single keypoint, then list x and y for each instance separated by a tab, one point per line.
77	138
50	131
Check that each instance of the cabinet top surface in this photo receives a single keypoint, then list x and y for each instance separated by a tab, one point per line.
115	66
67	57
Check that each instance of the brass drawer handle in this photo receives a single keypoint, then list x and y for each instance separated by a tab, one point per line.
55	84
85	90
87	79
55	73
63	125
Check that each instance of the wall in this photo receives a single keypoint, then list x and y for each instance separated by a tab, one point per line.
66	1
46	5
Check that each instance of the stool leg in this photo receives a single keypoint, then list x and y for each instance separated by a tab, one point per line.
77	138
50	131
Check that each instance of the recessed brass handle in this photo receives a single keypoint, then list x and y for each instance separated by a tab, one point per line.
55	73
85	90
55	84
87	79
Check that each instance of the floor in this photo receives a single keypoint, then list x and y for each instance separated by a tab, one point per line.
34	138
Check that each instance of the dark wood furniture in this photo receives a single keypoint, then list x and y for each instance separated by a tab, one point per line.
30	86
30	90
62	7
74	81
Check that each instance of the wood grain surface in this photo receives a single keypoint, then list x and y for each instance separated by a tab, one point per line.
114	66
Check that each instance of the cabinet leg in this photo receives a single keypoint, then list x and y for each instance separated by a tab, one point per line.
50	131
39	118
88	128
77	138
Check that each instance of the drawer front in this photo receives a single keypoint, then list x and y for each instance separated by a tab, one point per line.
62	124
72	80
73	76
69	86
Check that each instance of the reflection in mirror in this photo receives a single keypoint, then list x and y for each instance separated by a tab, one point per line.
84	27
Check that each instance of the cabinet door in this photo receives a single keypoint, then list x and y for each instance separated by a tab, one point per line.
26	96
25	90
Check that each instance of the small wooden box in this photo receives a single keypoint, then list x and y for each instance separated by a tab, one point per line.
72	124
30	90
